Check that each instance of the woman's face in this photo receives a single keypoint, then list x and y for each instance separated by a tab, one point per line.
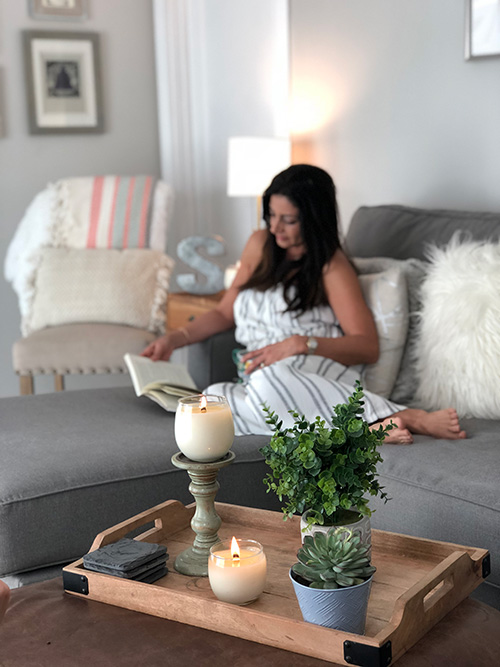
284	224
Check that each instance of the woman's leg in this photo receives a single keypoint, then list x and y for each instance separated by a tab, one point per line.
439	424
442	424
399	435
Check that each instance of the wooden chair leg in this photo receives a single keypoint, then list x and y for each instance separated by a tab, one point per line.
26	385
59	382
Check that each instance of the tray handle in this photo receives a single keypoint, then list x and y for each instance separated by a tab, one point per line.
170	516
429	600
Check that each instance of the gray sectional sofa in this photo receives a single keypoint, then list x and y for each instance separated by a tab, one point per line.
75	463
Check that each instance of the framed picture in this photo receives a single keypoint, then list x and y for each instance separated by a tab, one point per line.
63	82
58	10
482	28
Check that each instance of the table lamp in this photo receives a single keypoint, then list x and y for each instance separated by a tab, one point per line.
252	163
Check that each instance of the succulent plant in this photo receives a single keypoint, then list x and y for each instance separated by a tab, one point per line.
333	560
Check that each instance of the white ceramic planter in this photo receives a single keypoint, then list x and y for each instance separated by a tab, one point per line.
358	526
341	608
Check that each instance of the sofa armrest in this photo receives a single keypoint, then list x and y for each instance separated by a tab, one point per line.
211	361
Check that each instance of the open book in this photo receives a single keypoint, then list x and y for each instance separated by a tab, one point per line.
161	381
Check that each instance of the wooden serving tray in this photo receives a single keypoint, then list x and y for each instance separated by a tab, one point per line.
416	584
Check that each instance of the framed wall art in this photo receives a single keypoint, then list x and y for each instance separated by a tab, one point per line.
482	28
63	82
58	10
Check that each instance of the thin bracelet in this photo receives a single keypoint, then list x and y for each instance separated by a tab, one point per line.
183	330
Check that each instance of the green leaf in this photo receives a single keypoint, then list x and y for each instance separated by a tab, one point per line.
320	468
339	436
355	426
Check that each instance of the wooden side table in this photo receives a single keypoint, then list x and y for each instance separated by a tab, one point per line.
183	307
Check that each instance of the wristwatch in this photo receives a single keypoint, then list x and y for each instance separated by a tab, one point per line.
311	344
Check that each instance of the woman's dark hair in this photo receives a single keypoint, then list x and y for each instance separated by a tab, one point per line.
312	191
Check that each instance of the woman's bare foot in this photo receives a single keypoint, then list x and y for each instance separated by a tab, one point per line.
396	436
439	424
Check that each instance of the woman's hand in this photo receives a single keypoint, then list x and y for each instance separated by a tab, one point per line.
267	355
160	349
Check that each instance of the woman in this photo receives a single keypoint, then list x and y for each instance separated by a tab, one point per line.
299	311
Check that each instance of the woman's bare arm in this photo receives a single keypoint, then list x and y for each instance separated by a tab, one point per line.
219	319
359	344
360	341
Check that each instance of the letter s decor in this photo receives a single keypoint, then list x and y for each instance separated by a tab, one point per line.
187	251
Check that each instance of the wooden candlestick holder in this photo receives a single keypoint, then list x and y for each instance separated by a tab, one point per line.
205	522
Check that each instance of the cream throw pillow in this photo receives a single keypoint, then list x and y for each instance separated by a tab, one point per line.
458	359
387	297
114	286
414	271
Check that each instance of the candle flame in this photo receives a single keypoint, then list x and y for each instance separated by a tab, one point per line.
235	549
203	403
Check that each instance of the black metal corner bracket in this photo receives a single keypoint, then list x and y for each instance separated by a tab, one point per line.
486	566
75	583
367	656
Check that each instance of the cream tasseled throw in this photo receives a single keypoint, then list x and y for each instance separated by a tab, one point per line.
92	212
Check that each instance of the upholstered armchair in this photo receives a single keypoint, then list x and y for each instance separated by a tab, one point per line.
89	267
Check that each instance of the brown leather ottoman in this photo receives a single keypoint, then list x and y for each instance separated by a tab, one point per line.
46	627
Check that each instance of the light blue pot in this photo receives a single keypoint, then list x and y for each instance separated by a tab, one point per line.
340	608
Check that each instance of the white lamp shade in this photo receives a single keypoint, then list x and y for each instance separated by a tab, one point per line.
253	162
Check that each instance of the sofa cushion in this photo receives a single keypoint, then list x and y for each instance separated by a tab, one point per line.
78	348
386	294
405	384
211	360
75	463
457	351
445	490
402	231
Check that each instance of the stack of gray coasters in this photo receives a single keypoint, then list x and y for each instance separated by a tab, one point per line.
129	559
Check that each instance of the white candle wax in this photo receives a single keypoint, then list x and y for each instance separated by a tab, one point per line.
204	433
237	580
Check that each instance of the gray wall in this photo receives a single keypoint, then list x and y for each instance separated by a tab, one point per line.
228	63
247	96
129	144
395	112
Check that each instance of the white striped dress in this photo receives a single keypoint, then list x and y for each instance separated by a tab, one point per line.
310	384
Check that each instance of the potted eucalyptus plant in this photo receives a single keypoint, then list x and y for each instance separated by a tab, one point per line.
332	580
325	474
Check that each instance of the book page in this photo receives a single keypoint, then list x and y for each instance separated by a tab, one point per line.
147	375
167	402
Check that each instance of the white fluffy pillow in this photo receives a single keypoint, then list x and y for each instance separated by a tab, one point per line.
387	297
458	349
112	286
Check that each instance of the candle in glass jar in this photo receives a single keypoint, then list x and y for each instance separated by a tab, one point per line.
204	427
237	570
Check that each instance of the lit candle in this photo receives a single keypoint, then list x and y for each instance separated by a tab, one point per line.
237	570
204	428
